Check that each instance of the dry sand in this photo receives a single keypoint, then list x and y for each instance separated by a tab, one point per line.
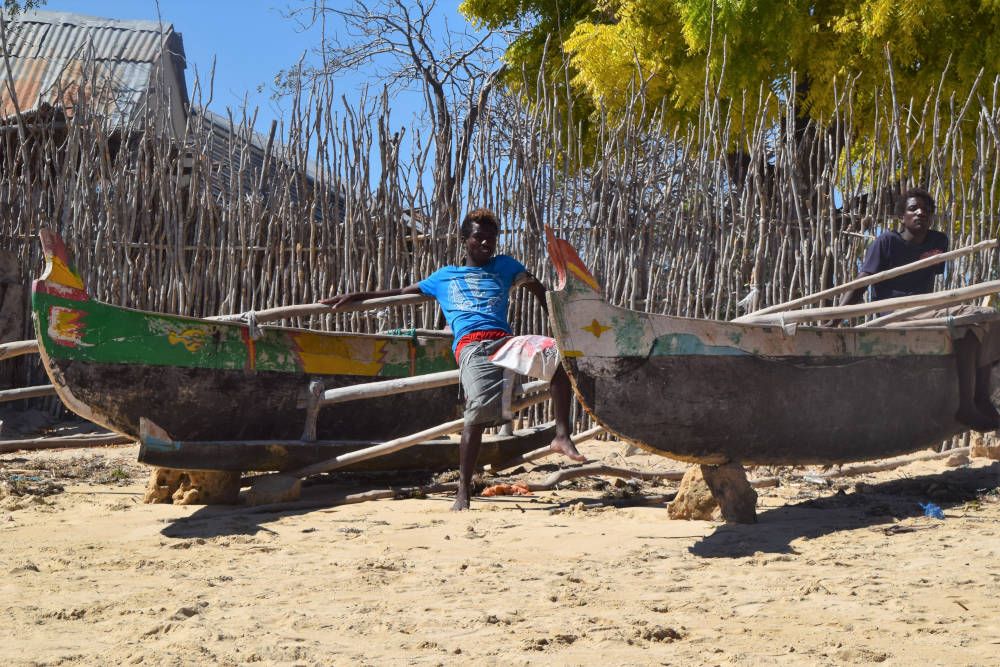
829	576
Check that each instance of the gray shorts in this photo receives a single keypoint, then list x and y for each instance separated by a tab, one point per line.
483	384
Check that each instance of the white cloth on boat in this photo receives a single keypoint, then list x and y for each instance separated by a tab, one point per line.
534	356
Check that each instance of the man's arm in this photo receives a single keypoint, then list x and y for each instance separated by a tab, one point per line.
854	296
535	286
342	299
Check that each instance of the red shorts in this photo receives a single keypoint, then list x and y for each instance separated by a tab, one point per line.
478	336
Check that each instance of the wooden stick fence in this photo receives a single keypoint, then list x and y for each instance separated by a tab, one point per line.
713	219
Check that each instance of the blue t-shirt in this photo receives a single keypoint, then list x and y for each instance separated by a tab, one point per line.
474	298
890	250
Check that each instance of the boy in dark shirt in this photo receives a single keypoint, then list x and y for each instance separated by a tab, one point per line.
917	240
893	249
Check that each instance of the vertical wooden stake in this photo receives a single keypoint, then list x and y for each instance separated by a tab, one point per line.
313	396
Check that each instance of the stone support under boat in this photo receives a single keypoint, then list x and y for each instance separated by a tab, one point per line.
707	490
732	490
192	487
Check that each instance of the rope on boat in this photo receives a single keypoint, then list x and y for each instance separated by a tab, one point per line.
251	318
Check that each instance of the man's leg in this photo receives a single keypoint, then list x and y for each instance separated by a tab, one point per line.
561	395
973	386
468	454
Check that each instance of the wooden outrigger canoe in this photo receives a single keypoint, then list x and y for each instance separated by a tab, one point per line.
716	392
209	382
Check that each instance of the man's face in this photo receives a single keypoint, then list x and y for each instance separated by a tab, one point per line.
481	244
918	216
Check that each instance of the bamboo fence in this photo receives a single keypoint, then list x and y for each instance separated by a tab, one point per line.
341	198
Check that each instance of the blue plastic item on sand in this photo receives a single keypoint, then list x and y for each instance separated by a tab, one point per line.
933	511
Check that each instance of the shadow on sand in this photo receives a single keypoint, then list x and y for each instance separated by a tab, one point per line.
777	528
225	520
871	505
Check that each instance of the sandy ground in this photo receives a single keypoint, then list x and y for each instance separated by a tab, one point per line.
853	573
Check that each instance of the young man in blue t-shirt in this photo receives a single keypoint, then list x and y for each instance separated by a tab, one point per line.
914	241
474	298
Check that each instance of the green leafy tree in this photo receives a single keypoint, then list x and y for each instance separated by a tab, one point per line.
746	46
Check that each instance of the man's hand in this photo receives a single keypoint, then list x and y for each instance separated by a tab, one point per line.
535	286
342	300
336	302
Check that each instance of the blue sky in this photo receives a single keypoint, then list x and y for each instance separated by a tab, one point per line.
251	40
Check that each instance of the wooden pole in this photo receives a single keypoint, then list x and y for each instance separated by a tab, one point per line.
891	464
541	452
954	321
403	385
896	316
26	392
388	387
868	280
17	348
306	309
67	442
397	444
946	298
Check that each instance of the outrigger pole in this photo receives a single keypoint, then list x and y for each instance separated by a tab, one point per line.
756	316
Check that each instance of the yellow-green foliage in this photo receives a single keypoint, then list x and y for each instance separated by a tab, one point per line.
749	46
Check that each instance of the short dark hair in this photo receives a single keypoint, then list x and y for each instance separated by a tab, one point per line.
482	216
914	193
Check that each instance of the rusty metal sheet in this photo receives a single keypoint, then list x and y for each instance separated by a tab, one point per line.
58	55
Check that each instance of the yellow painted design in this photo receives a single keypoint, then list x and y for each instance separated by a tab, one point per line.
61	274
348	356
66	326
572	353
596	328
584	275
191	339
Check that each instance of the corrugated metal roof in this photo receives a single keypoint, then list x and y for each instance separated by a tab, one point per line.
58	55
229	145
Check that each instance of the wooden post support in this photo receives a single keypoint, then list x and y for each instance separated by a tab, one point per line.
12	311
313	396
730	488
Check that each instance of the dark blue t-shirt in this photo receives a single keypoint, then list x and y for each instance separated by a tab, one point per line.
474	298
890	250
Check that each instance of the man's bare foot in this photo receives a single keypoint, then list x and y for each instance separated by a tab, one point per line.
461	503
976	420
561	444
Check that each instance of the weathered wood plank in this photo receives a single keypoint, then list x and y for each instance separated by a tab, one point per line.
22	393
